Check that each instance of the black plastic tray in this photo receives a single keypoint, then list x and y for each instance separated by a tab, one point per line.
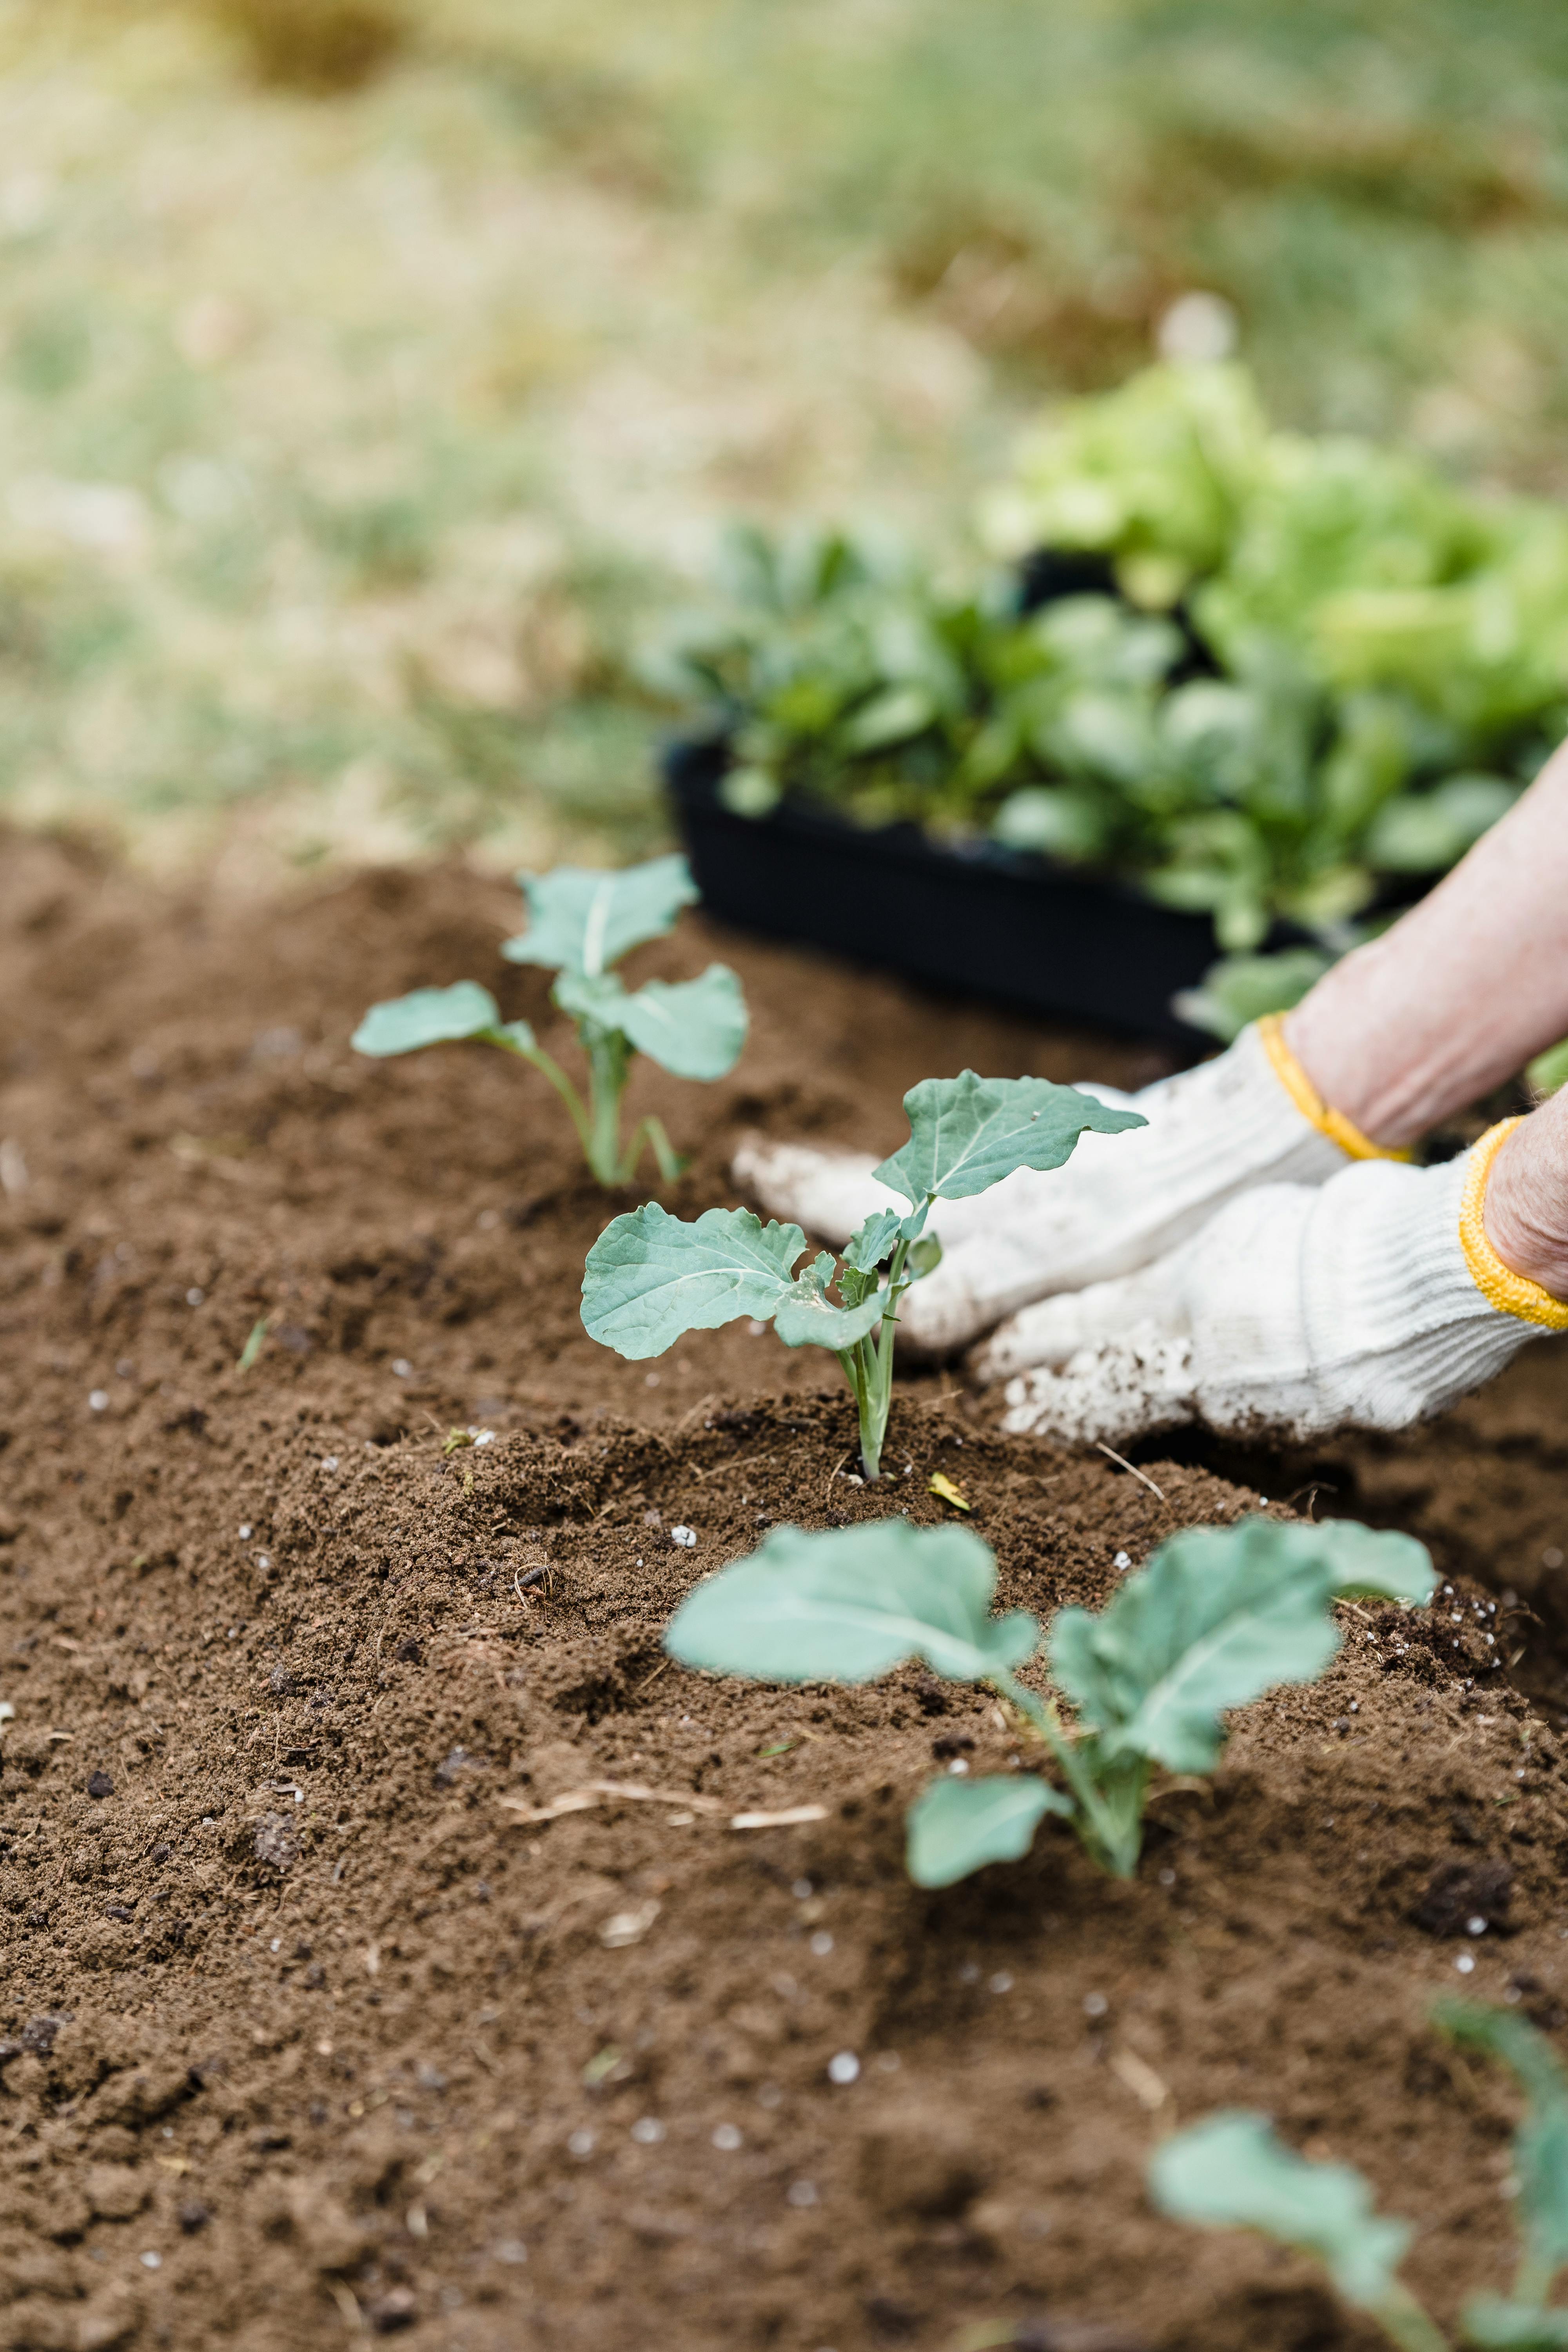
993	922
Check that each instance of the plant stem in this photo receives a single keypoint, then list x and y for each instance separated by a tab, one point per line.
607	1052
868	1368
1404	2322
1108	1836
548	1067
1532	2283
651	1132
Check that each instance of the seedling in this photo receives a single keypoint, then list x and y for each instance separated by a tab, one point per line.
651	1276
1217	1617
1231	2172
580	923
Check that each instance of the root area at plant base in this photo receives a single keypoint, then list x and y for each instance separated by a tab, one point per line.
381	1954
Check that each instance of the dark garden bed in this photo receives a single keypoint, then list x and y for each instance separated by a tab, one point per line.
312	2031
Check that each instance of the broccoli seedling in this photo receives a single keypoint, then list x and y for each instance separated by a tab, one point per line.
581	922
1231	2172
650	1276
1217	1617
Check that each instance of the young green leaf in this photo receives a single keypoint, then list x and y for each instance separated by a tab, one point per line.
583	921
649	1276
1492	2325
849	1603
957	1826
865	1249
806	1317
1231	2172
694	1028
428	1016
1219	1616
967	1133
1540	2143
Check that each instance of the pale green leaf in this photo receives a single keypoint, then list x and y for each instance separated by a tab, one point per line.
957	1826
1219	1616
967	1133
596	997
1231	2172
806	1317
924	1257
1540	2143
649	1276
865	1249
693	1028
849	1603
428	1016
584	921
1493	2326
519	1035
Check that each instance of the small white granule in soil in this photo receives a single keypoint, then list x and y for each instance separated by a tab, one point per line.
685	1536
727	2138
98	1399
844	2067
647	2131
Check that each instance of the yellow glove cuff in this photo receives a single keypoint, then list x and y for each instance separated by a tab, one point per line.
1515	1294
1310	1102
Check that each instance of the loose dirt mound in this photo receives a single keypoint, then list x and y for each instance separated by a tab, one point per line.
380	1951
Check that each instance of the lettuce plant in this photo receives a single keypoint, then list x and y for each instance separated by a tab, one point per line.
651	1276
1217	1617
1271	677
1231	2172
580	924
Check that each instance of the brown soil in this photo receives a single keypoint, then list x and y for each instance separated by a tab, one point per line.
312	2011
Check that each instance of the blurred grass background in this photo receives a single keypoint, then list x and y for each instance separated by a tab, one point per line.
371	372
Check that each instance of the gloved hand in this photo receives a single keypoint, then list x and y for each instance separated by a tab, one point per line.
1369	1302
1250	1116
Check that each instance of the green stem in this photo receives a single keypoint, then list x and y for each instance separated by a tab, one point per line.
1404	2322
1532	2283
1107	1839
607	1052
651	1133
548	1067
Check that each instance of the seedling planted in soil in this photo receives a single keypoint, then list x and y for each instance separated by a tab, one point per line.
1231	2172
651	1276
1219	1616
581	922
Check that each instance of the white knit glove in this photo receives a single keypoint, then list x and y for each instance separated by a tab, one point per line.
1121	1200
1370	1302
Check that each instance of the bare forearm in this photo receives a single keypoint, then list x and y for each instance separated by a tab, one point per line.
1526	1213
1461	991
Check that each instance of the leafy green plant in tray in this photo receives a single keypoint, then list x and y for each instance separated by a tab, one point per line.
1230	2172
1313	676
650	1276
582	923
1219	1616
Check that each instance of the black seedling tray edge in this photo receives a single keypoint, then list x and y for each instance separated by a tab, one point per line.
986	921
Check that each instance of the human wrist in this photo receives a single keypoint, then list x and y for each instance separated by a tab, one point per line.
1525	1212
